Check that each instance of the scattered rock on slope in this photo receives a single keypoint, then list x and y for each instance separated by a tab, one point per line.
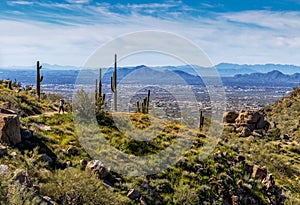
246	122
9	127
3	150
96	167
229	117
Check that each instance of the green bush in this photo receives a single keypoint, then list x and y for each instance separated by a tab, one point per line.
72	186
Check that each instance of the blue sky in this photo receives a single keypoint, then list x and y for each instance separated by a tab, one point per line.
67	32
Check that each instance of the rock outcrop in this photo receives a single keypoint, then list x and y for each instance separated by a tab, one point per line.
21	177
9	127
96	167
229	117
133	194
247	122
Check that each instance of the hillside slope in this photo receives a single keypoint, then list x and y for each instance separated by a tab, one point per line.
53	165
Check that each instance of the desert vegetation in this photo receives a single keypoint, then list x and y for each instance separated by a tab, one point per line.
49	165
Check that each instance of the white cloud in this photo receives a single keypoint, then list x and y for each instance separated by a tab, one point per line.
267	19
13	3
240	37
79	1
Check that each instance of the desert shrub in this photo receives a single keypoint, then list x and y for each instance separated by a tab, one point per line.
4	184
72	186
83	106
184	194
18	194
273	134
292	199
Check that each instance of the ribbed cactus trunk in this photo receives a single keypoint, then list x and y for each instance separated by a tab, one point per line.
39	79
201	121
113	83
148	99
99	98
9	85
100	83
96	91
138	107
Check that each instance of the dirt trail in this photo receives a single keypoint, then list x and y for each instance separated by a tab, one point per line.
47	113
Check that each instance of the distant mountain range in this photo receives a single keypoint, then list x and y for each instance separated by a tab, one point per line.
224	69
272	78
157	75
227	69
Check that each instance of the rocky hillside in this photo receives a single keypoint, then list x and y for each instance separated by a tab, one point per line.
257	161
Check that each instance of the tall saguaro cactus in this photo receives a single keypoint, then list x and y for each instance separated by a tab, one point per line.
113	83
39	79
99	98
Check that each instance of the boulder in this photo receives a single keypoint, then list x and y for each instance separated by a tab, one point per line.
259	172
249	117
9	127
269	182
69	164
26	134
286	137
229	117
261	123
234	200
257	133
3	150
21	177
248	168
46	158
47	200
142	201
133	194
244	131
251	122
108	184
14	155
4	169
73	150
240	158
96	167
83	163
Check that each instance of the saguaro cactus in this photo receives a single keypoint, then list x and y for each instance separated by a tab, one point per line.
39	79
113	83
138	107
148	99
145	105
99	98
201	121
9	85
